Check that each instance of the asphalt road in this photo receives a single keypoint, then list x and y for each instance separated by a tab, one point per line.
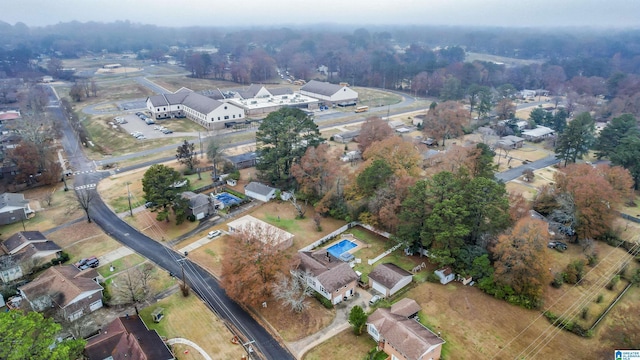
200	281
513	173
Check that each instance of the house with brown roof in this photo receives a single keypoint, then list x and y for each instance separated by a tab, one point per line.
208	112
64	288
401	336
22	252
328	93
13	208
331	277
388	279
127	338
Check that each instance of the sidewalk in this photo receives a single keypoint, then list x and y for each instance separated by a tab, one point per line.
115	255
196	244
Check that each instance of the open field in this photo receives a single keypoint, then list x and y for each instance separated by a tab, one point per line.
189	318
174	83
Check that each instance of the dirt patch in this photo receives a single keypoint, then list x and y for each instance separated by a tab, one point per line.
72	234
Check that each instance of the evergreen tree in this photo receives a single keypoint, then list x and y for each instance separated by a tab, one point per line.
576	140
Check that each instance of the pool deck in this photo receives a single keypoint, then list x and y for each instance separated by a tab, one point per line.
350	237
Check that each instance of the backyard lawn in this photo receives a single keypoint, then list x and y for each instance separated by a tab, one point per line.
345	345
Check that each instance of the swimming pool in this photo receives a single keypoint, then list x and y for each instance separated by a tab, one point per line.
228	199
341	247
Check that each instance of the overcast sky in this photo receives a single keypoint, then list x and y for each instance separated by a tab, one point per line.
177	13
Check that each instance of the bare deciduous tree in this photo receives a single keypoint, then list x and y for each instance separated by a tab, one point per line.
134	287
85	197
301	209
293	292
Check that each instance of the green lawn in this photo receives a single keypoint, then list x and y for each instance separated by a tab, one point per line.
120	265
290	225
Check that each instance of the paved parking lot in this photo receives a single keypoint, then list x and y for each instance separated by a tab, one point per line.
134	124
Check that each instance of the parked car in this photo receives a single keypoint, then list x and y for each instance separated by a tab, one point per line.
149	204
374	299
558	245
80	263
92	262
167	131
214	233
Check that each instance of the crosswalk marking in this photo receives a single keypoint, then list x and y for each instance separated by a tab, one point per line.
84	172
87	186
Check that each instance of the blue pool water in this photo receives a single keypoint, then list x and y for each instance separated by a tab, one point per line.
228	199
341	247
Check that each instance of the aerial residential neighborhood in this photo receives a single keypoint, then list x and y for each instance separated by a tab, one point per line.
306	186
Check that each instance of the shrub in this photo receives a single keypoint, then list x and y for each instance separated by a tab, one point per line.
558	280
63	258
623	271
592	259
613	282
599	298
191	218
574	272
323	300
106	295
611	238
585	313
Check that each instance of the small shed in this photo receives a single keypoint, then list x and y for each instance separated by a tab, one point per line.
445	274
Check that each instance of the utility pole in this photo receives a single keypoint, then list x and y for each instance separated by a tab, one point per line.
129	198
200	138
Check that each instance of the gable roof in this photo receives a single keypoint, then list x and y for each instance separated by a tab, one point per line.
259	188
62	283
405	307
196	200
321	88
330	272
201	103
388	274
127	338
20	239
407	336
14	200
280	91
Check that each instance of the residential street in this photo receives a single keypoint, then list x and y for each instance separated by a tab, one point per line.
201	282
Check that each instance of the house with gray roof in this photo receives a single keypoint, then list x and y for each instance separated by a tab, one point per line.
330	94
332	278
402	337
260	191
208	112
388	279
13	208
23	251
200	205
538	134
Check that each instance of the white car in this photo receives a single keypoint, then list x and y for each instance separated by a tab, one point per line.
374	299
214	233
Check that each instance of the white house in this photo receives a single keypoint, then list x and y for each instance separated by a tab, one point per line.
329	93
210	113
446	275
260	191
538	134
388	279
65	288
332	278
277	237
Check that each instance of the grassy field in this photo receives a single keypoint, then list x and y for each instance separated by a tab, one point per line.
190	318
345	345
471	56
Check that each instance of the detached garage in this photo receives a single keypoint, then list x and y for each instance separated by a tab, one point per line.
388	279
260	191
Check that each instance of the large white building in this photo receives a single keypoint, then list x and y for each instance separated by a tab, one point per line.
210	113
329	94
